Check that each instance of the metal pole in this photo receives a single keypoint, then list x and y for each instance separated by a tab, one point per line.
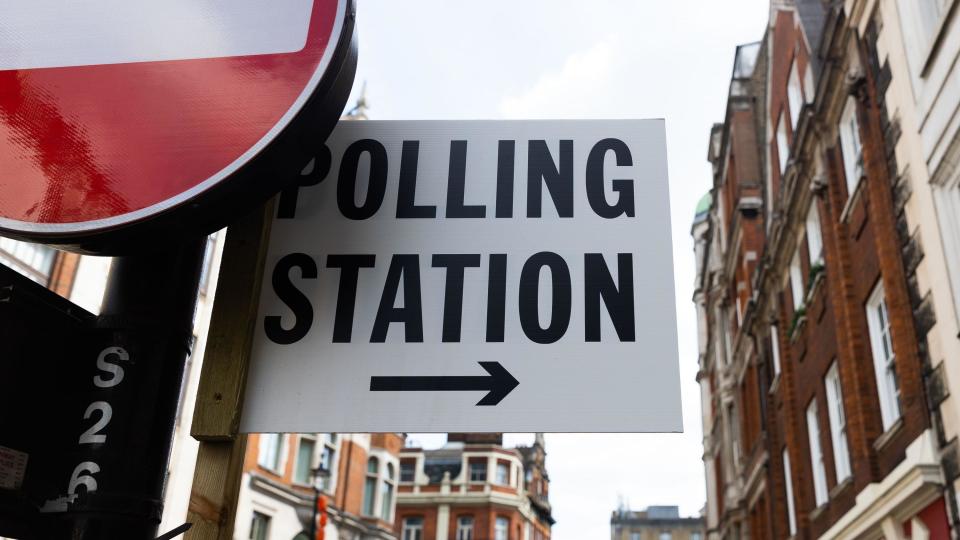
147	329
313	521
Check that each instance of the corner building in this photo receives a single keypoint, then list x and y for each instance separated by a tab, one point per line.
474	488
824	408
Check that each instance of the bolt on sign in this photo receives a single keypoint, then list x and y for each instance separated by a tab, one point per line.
471	276
164	118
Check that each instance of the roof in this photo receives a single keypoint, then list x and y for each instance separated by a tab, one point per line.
703	208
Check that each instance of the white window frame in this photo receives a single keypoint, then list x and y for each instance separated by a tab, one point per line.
278	461
809	91
387	492
501	533
312	459
816	455
947	199
775	348
919	27
465	528
851	145
838	423
485	467
788	487
884	357
794	95
796	281
267	518
502	467
412	529
783	144
328	452
814	234
371	509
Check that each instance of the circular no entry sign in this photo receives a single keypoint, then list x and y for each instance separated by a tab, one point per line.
123	121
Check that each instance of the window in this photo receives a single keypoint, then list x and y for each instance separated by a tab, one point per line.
302	473
695	536
328	460
634	536
503	474
370	487
794	95
665	535
386	494
270	451
838	423
796	281
808	88
465	528
783	144
259	526
788	487
814	236
478	471
501	529
850	146
775	349
408	470
528	478
921	20
888	387
816	455
207	262
412	529
32	260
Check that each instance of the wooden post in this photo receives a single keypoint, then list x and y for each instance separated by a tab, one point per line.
216	418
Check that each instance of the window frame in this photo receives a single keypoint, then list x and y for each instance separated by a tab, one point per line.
413	471
371	492
412	528
794	95
253	525
279	461
851	146
465	527
814	232
817	464
501	520
775	349
481	466
311	460
788	487
838	423
387	492
885	368
783	144
797	287
505	468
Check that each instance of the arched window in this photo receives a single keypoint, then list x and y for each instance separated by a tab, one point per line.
370	486
386	493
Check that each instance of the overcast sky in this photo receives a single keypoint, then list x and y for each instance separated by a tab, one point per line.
493	59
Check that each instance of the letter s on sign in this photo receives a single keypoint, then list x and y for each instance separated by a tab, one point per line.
113	370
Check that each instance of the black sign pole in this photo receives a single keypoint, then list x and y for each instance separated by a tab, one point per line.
128	411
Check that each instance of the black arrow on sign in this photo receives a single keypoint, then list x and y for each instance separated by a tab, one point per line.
498	383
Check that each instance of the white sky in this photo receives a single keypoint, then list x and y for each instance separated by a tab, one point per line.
434	59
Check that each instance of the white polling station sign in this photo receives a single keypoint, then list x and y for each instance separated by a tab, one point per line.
471	276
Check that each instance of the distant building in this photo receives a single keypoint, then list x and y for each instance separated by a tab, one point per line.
474	489
655	523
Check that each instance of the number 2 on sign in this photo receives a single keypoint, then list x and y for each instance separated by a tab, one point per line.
111	375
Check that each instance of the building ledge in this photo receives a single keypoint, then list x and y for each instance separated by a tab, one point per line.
910	487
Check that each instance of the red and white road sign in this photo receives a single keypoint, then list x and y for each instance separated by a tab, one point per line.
116	114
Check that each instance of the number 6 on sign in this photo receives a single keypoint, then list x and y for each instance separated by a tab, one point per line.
87	480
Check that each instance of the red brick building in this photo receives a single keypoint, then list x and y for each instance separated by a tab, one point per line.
474	489
818	417
359	488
